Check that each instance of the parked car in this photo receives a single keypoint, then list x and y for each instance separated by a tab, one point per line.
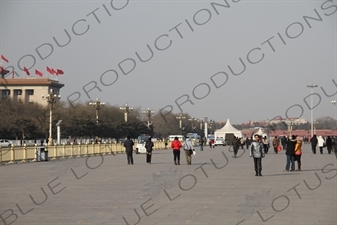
220	141
5	143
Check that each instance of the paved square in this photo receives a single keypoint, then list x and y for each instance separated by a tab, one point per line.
215	189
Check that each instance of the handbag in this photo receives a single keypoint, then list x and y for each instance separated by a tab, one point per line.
298	153
279	148
190	152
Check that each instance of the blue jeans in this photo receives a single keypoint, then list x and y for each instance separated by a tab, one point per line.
290	159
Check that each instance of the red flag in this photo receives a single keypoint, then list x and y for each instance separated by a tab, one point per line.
26	70
38	73
3	71
49	70
53	72
4	58
59	71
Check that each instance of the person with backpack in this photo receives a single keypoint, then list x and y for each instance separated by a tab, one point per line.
149	147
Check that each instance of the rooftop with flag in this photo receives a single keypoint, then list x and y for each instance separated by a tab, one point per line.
28	89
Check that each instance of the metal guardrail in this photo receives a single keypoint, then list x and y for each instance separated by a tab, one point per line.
23	154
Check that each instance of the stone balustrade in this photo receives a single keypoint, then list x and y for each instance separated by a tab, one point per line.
23	154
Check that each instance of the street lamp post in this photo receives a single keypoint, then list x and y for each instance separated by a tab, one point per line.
315	126
312	86
148	113
180	118
206	127
211	122
290	128
51	99
192	122
334	102
98	105
201	121
126	110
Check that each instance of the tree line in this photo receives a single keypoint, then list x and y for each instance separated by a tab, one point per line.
31	121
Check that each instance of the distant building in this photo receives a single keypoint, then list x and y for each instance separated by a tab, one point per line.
29	90
288	121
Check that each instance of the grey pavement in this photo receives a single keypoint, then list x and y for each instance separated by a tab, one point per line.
215	189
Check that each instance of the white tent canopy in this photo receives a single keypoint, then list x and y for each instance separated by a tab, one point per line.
227	129
261	133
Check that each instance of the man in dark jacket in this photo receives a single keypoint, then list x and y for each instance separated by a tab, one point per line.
128	144
149	147
314	142
290	153
284	142
329	144
235	144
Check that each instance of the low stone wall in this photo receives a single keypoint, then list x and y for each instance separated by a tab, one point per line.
25	153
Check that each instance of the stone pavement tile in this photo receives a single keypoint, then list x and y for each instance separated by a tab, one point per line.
179	218
328	221
113	190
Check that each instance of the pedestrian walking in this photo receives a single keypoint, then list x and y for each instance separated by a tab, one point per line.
313	142
176	145
284	142
276	144
166	142
248	142
242	142
201	143
265	142
290	153
298	153
256	151
211	143
188	148
149	147
235	144
128	144
320	142
329	144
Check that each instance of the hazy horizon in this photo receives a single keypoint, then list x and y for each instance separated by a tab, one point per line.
237	60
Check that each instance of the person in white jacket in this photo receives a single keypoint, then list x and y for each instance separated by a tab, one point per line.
188	148
320	142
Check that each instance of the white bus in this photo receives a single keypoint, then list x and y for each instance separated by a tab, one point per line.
180	137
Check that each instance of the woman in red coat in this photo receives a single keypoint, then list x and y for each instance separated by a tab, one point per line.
176	145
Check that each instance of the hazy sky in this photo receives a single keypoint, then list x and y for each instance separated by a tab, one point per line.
242	60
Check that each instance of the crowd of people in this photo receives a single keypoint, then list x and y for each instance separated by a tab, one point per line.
292	145
176	145
257	145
